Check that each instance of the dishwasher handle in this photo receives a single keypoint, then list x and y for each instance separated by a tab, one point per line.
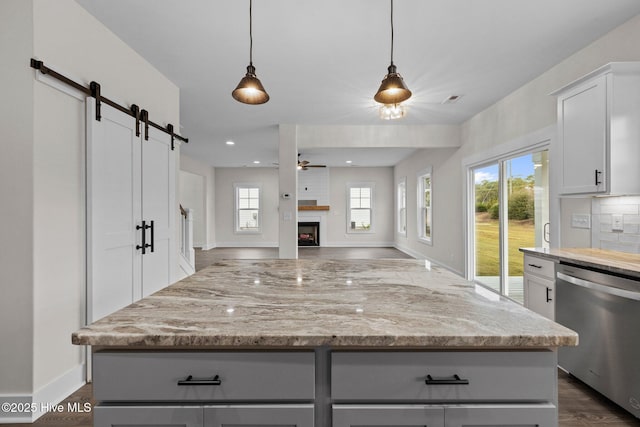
611	290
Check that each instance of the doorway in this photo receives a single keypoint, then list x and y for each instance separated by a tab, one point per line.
510	209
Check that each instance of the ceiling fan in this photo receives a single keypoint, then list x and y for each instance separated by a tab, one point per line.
304	165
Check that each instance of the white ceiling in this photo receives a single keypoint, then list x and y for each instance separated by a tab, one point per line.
322	61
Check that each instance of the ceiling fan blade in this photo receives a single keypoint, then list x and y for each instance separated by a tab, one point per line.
303	162
316	166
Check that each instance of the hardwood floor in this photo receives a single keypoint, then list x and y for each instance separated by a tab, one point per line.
578	405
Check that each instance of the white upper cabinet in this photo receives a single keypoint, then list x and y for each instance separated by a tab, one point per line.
598	148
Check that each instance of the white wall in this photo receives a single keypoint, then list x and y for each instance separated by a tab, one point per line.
225	178
524	111
16	193
45	163
192	196
446	202
382	233
207	173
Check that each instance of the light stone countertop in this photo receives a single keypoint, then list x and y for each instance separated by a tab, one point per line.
306	303
602	259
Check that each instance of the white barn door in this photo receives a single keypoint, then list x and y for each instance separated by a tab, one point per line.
114	208
158	205
130	190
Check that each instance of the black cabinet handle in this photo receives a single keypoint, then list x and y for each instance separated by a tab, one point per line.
534	266
549	293
200	381
453	380
597	176
152	227
144	245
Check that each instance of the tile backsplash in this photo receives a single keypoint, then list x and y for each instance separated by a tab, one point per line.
603	212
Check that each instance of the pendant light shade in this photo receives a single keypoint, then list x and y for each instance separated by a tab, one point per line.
392	90
250	89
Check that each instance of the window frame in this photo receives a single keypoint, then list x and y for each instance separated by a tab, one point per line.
371	186
401	207
421	208
236	210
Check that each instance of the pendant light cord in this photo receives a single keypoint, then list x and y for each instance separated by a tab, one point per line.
391	32
251	34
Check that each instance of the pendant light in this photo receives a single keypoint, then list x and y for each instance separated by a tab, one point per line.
250	90
392	90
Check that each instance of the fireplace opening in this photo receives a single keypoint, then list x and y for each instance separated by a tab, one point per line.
308	234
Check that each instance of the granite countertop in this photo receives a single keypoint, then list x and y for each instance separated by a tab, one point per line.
338	303
602	259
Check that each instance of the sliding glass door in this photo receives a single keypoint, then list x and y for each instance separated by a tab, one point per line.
510	211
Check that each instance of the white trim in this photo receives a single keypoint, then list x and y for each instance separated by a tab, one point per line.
402	181
236	187
58	85
360	244
246	244
418	255
419	204
360	184
50	394
207	246
537	140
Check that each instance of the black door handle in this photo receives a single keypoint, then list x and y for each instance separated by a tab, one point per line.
598	173
548	293
152	235
453	380
200	381
144	245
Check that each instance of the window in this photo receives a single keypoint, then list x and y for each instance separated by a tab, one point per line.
402	206
360	207
425	221
248	217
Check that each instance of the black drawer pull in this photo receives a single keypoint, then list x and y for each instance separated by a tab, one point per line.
453	380
200	381
535	266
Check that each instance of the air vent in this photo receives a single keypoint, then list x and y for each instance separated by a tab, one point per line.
451	99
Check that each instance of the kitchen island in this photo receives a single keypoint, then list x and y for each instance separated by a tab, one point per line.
324	343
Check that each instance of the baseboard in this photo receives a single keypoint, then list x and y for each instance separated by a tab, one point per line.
357	245
246	245
46	397
418	255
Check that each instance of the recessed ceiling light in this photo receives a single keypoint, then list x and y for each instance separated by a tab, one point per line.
349	161
230	143
256	162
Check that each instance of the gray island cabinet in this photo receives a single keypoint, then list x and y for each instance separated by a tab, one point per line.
324	343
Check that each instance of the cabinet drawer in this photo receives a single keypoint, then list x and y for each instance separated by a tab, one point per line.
401	376
241	376
539	266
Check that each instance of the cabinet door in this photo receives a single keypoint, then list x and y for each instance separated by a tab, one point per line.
259	416
583	133
541	415
388	415
539	295
156	416
113	211
158	205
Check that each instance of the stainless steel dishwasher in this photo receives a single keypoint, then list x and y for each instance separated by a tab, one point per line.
604	310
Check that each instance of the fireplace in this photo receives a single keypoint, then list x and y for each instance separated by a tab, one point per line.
308	234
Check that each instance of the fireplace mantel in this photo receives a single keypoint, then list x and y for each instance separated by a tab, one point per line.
313	208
